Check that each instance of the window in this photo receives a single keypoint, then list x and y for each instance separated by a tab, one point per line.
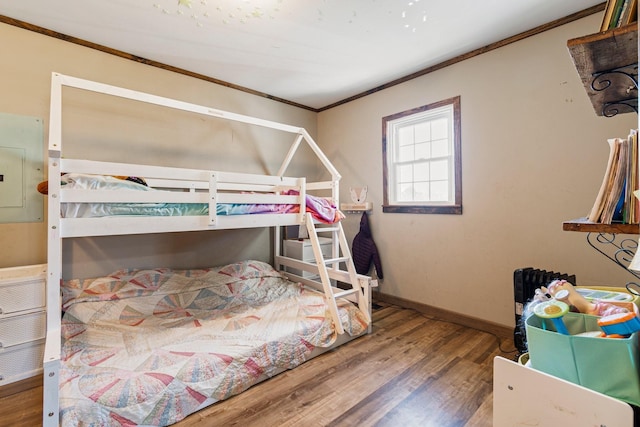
422	161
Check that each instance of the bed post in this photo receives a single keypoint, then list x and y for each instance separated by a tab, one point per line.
213	191
51	362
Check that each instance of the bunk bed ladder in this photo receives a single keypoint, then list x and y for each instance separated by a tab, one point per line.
340	254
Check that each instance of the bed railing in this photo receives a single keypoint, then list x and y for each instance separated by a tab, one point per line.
178	186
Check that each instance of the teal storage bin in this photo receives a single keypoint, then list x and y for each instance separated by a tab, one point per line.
606	365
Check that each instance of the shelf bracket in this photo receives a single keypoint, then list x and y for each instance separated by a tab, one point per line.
625	77
610	109
620	252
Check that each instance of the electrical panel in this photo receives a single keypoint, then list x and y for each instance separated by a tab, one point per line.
21	169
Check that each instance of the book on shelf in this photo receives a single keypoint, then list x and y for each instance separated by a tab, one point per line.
608	12
618	13
616	202
629	14
632	213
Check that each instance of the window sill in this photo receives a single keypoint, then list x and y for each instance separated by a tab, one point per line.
418	209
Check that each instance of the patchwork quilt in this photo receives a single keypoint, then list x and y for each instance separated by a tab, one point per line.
152	346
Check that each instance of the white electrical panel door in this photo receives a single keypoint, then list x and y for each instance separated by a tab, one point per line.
11	177
21	169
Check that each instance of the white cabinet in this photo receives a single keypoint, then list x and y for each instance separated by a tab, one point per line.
525	396
22	321
301	249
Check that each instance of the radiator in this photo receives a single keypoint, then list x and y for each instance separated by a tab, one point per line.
525	283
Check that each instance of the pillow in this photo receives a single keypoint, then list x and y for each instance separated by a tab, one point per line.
43	187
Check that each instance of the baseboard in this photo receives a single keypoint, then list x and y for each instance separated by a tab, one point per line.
449	316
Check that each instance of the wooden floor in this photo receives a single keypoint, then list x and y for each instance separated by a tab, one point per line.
412	370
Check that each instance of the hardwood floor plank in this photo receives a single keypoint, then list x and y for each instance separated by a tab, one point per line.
351	366
385	398
412	370
404	394
446	401
22	409
355	385
483	417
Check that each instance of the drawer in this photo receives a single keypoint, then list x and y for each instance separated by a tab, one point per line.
302	249
11	274
22	288
23	328
21	361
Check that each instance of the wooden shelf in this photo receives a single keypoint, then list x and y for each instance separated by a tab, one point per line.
584	225
615	49
356	207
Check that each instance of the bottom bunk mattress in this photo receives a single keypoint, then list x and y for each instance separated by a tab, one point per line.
152	346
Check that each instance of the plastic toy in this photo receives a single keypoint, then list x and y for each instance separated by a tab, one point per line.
564	291
620	324
553	310
604	295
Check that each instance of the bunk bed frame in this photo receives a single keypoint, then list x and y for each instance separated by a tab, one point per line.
188	186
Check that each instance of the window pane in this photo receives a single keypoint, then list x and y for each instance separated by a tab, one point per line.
421	172
440	170
440	148
440	128
405	135
406	153
423	132
406	193
405	173
439	191
421	192
423	151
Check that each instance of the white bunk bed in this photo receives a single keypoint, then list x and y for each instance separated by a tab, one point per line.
215	196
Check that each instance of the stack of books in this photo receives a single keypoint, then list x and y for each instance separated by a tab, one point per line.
616	202
618	13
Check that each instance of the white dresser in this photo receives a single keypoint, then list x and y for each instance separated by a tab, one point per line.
22	322
301	249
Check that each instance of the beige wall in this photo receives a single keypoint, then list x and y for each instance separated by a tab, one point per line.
103	128
533	154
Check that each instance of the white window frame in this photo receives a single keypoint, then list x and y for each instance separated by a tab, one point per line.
449	199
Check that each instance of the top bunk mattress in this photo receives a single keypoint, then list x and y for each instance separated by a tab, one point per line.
322	209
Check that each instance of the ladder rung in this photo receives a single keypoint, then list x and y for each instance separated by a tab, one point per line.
345	293
326	229
333	260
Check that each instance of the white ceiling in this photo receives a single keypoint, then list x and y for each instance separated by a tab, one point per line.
309	52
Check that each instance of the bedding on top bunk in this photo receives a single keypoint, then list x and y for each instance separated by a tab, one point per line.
150	346
321	209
